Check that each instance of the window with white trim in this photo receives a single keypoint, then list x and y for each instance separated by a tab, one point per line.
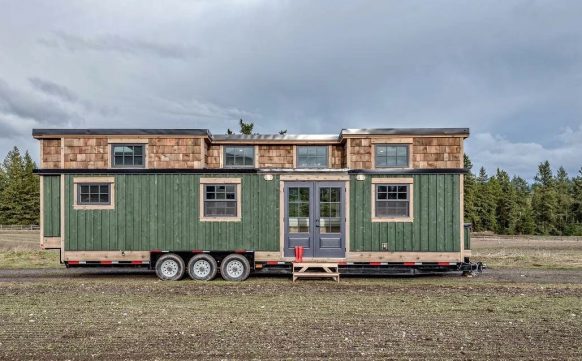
392	200
94	194
220	200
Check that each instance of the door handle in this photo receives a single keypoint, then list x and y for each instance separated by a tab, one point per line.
317	223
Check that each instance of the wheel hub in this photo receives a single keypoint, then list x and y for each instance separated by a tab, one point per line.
202	268
235	268
170	268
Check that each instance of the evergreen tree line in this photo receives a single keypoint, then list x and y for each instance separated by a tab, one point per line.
552	205
19	190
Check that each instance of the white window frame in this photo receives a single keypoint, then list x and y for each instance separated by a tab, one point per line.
220	181
392	181
92	180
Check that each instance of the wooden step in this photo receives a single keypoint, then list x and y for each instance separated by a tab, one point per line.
315	270
315	264
316	274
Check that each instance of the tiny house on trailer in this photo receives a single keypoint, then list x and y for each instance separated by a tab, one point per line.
184	201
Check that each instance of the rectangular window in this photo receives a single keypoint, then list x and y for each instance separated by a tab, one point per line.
239	156
220	200
391	156
392	201
127	155
94	194
312	157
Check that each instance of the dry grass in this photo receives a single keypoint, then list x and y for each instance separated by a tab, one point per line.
20	249
530	253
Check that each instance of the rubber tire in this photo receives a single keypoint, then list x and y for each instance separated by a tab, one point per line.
207	258
181	265
232	257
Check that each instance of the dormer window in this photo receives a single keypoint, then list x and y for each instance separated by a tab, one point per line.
312	157
128	155
239	157
391	156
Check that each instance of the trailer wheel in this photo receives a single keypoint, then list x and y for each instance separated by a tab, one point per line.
235	267
202	267
170	267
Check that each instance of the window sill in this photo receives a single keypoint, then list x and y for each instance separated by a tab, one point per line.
81	207
220	219
393	220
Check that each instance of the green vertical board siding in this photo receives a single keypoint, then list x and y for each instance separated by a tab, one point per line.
160	211
468	237
436	224
52	206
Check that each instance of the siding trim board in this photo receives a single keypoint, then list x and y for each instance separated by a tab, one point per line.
248	170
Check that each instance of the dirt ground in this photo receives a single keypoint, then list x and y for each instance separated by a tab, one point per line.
78	314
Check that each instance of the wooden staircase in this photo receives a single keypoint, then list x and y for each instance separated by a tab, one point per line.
315	270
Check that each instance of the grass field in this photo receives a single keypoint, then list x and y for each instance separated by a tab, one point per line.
518	309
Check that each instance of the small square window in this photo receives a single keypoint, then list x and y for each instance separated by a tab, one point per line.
127	155
93	194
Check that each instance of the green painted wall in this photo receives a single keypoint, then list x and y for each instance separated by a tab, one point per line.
467	237
52	206
160	211
436	225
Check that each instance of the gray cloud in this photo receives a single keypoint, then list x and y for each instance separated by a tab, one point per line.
18	107
118	44
54	89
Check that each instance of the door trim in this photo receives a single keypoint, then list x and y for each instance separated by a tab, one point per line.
314	177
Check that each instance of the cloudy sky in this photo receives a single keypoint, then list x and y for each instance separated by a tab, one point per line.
509	70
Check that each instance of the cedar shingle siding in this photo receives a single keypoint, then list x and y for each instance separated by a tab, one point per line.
355	152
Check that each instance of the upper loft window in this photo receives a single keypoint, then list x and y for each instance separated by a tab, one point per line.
128	155
239	156
391	156
312	157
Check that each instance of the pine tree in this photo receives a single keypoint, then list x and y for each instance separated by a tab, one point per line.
2	185
564	202
525	220
507	209
30	192
246	128
485	203
545	200
470	183
577	205
11	205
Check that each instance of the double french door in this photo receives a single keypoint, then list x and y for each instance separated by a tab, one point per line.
315	219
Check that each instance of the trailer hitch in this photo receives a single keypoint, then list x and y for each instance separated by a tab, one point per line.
472	268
